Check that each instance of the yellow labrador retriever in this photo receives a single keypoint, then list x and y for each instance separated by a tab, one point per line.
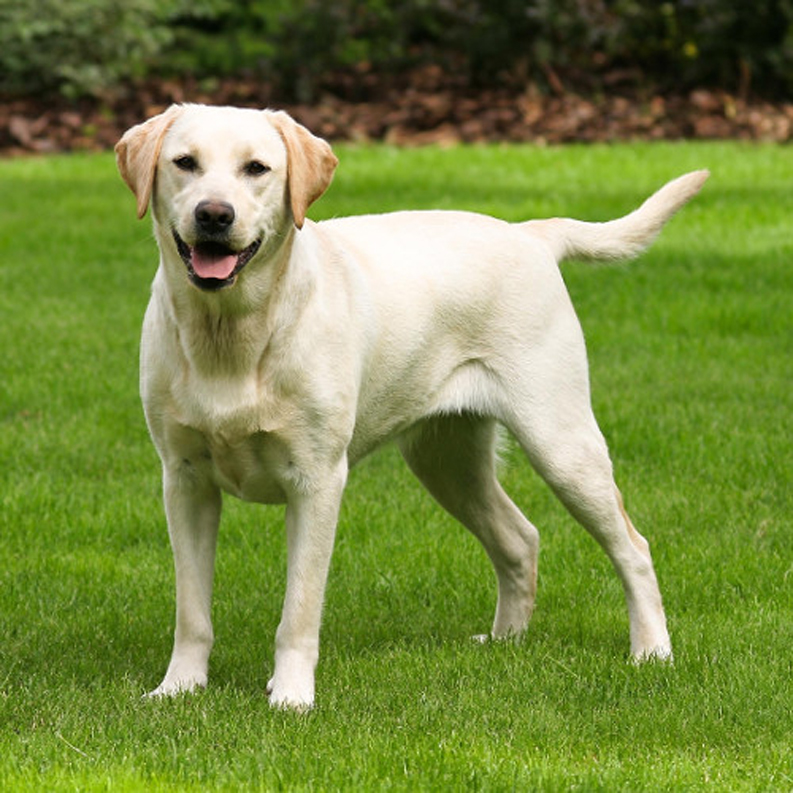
277	352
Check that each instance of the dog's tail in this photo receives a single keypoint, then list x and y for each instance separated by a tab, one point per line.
622	238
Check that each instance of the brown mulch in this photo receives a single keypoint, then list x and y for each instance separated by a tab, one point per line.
427	109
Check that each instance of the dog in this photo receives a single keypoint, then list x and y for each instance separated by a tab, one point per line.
277	352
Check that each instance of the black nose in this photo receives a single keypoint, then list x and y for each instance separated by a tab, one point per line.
214	217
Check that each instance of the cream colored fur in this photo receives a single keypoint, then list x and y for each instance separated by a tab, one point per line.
430	328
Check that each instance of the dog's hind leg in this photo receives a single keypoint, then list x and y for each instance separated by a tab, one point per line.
552	419
455	459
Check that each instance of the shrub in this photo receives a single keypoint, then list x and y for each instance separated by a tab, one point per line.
730	44
678	44
77	46
84	46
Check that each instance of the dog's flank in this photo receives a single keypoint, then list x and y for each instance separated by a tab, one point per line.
271	379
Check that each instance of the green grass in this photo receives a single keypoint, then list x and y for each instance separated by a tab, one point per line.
691	352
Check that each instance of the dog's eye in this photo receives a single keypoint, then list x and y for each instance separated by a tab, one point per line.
255	168
186	163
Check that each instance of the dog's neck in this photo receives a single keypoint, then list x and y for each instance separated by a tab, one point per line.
229	331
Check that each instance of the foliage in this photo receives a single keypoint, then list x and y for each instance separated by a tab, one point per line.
727	43
220	37
77	46
670	45
691	372
84	46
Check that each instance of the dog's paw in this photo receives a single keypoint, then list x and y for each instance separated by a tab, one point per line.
490	638
290	692
172	687
292	684
294	699
659	654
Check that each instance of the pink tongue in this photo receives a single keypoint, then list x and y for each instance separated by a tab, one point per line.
210	265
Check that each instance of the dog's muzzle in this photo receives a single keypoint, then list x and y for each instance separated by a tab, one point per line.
212	265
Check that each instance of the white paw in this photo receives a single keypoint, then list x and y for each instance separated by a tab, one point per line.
291	690
290	697
292	684
173	686
507	636
662	653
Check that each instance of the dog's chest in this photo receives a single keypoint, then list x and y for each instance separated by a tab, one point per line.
252	469
236	433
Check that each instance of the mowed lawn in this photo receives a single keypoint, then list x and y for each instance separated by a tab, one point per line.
691	351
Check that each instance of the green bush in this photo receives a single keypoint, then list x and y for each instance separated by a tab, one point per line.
77	46
85	46
219	37
731	44
677	44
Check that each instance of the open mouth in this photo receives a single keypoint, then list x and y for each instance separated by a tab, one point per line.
212	265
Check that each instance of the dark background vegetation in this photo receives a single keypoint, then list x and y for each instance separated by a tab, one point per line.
719	56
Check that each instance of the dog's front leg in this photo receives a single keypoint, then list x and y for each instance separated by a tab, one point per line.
192	507
311	516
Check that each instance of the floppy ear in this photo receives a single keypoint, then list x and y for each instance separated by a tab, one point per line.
138	151
309	167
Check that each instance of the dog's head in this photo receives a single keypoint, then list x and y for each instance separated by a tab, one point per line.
223	183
